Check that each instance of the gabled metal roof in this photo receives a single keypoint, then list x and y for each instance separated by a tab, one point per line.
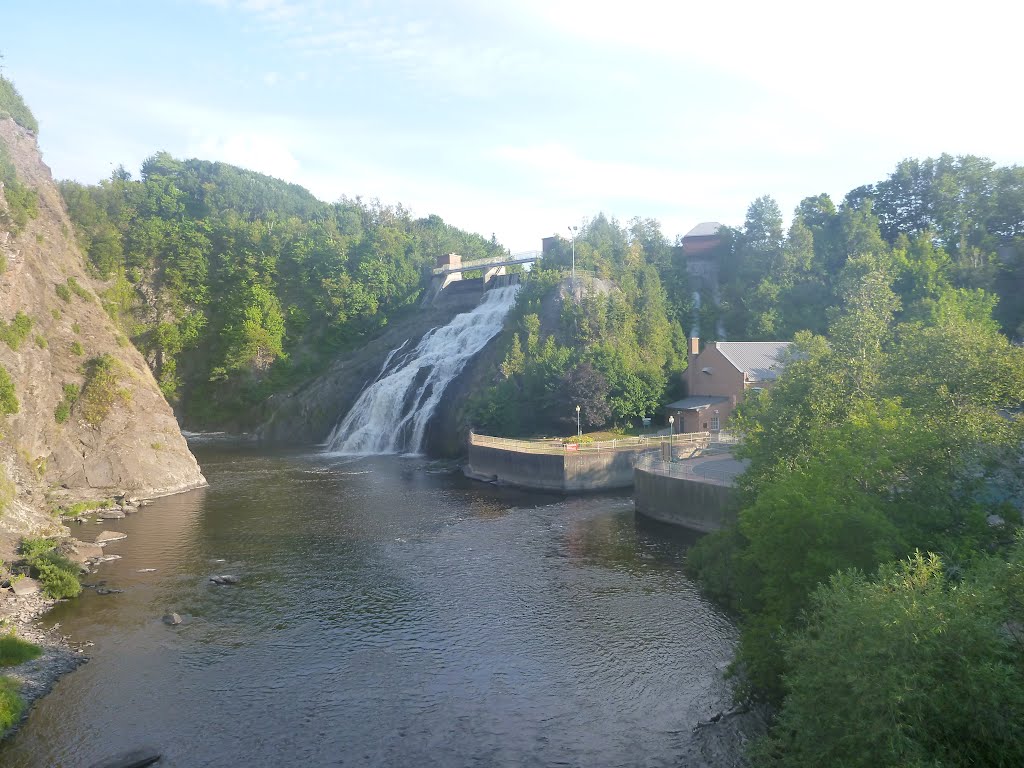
704	229
760	360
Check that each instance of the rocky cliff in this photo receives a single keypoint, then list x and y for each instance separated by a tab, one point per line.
90	419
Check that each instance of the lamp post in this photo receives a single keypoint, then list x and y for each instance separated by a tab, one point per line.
671	430
572	235
579	433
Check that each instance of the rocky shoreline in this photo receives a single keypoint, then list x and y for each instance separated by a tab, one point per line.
60	656
23	607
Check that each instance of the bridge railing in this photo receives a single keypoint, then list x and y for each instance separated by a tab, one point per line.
692	440
466	266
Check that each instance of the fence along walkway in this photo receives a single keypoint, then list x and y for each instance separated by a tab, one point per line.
717	469
686	440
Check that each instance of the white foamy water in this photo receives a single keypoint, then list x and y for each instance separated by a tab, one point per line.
391	415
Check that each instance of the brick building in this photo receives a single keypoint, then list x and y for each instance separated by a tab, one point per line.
718	377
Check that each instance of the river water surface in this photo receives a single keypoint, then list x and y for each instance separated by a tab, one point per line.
390	613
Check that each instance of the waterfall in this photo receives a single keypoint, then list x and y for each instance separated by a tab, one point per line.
392	413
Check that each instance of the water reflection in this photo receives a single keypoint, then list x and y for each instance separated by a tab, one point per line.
389	613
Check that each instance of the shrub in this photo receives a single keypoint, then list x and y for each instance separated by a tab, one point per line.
22	201
77	348
14	650
63	291
11	703
58	575
12	105
906	669
77	289
30	549
15	332
8	400
41	341
100	390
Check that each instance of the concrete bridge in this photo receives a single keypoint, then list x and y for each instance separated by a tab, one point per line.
450	267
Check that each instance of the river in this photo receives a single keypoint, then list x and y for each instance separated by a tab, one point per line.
390	613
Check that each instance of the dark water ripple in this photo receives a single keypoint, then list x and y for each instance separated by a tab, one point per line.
390	614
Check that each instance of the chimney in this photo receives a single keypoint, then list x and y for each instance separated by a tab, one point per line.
692	350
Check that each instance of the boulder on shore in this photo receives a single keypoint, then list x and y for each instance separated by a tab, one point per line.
106	537
25	586
79	551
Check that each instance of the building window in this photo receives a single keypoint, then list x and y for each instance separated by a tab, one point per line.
714	423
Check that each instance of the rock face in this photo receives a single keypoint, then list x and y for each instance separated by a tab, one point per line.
137	446
308	413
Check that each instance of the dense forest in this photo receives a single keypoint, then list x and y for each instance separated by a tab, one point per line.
236	285
943	235
611	342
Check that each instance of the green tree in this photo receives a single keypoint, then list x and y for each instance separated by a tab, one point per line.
908	669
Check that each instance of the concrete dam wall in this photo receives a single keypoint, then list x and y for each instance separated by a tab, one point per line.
691	503
563	471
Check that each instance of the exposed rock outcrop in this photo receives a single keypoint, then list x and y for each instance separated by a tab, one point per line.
131	440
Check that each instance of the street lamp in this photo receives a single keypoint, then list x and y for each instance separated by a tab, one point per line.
572	234
579	433
671	430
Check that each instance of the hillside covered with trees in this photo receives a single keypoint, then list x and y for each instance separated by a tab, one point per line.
236	285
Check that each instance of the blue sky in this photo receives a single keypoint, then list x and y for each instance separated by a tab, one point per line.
521	118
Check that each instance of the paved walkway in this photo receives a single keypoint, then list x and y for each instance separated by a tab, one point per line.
716	468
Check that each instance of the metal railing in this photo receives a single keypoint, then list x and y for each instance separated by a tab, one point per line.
704	472
693	440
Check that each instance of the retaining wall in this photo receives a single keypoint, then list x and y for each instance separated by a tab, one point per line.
568	472
690	503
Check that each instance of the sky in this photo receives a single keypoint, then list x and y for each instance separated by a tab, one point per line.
519	119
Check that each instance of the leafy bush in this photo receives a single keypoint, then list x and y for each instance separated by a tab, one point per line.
41	341
22	201
14	650
100	390
63	410
15	332
31	549
63	291
73	510
8	400
58	575
909	669
77	289
13	105
77	348
11	703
